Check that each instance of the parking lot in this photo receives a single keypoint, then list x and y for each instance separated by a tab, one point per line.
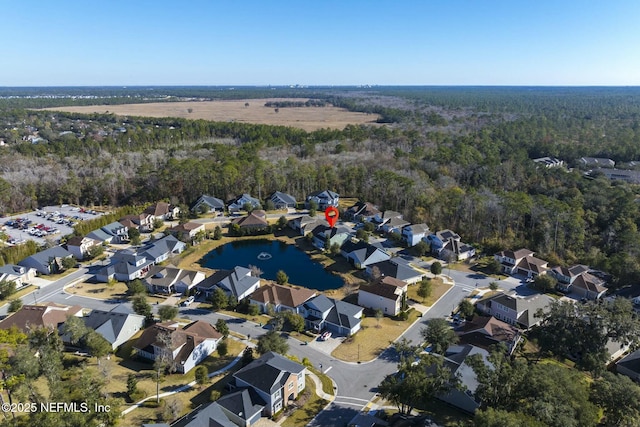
46	224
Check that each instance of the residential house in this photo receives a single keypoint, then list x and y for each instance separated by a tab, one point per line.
142	222
630	366
386	294
361	254
256	220
48	261
188	346
186	231
394	225
514	309
115	327
595	162
323	199
126	265
18	274
237	282
414	233
305	223
80	246
339	317
206	204
283	200
456	250
281	298
325	237
362	211
163	211
447	245
398	268
160	250
549	162
277	380
382	218
486	331
238	204
213	415
170	280
111	233
100	236
521	262
119	233
455	358
630	176
51	316
577	279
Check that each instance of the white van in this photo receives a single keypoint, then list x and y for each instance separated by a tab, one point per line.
188	301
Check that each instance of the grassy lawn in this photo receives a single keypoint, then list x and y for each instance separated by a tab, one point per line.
260	318
19	294
371	340
309	409
438	289
121	365
99	290
327	384
54	277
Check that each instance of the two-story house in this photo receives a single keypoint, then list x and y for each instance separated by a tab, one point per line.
238	204
323	199
339	317
325	237
183	347
80	246
514	309
143	222
577	279
414	233
162	211
362	211
396	267
277	380
126	265
18	274
521	262
386	294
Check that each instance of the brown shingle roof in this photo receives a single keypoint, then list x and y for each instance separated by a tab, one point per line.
387	287
285	295
33	316
251	220
190	336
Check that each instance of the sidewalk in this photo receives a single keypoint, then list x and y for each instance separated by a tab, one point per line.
328	397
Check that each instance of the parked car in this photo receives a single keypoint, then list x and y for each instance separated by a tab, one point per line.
188	301
325	336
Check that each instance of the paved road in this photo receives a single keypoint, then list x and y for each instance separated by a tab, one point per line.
356	383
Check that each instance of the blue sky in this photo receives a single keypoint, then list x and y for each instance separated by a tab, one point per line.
326	42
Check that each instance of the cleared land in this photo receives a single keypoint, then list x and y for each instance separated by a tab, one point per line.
307	118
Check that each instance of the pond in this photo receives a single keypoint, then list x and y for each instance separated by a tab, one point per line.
271	256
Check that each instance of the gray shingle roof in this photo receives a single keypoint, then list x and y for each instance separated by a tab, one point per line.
284	197
45	256
269	372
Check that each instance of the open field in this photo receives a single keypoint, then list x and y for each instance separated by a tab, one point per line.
307	118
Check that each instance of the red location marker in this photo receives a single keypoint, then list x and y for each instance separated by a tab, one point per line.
332	215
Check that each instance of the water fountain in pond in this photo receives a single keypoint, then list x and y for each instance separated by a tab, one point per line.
263	256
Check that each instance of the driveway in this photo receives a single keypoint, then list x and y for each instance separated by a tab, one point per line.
327	346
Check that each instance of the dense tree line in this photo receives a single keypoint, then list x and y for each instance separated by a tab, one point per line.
461	166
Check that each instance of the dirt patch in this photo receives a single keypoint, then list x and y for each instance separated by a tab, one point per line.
307	118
